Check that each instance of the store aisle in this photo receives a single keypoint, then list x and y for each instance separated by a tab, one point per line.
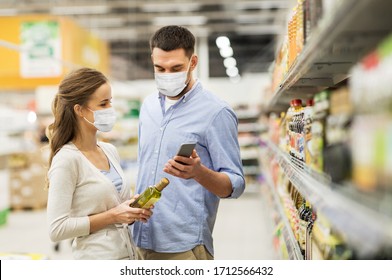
243	229
241	232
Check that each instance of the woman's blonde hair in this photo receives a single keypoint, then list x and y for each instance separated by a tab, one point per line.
76	88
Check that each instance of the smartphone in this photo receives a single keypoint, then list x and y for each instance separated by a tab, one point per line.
186	150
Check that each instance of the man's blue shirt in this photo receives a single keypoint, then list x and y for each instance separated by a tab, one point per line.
185	215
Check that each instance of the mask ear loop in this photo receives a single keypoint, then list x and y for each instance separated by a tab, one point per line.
187	71
190	62
87	119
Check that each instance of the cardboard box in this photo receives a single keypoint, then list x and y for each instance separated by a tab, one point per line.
27	182
4	190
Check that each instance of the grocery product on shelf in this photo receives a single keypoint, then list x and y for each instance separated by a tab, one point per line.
327	244
321	107
296	131
308	120
302	21
336	153
372	126
312	14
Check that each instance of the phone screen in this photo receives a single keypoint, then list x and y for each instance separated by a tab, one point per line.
186	149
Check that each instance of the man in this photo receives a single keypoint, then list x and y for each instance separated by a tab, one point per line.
182	111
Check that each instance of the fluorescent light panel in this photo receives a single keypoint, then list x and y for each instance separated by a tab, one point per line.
8	12
102	21
170	7
267	4
180	20
79	10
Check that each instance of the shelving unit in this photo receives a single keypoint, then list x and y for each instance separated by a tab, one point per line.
293	250
343	36
345	214
249	129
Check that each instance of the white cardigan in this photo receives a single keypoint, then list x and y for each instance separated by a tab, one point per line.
78	189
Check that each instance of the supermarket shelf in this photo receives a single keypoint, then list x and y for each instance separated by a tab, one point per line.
341	39
248	141
247	114
367	230
251	170
293	249
252	188
251	127
249	153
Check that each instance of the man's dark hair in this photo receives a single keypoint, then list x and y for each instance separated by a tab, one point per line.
173	37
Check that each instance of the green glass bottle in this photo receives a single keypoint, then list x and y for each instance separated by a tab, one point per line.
151	195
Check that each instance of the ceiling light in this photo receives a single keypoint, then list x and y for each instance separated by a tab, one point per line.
79	10
222	42
255	18
266	4
170	7
232	72
31	117
115	33
180	20
257	29
8	12
229	62
235	79
101	21
226	52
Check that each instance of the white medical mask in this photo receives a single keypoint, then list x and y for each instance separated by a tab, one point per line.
104	119
171	84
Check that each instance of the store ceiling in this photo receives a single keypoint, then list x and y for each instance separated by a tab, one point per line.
127	25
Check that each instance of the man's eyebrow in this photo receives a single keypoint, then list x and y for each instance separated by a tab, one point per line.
174	66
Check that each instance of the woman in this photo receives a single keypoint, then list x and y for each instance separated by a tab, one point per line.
88	196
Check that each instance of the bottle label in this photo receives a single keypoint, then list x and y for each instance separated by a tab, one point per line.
150	202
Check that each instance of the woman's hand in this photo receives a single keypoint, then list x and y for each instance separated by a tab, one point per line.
123	213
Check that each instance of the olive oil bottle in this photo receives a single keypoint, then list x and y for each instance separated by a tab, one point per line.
151	195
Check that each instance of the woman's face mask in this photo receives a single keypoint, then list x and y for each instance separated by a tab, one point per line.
171	84
104	119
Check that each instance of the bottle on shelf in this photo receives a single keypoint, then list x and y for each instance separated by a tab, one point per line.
289	116
296	130
321	108
308	119
151	195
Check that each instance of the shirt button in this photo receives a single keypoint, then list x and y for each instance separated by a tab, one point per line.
161	128
152	172
156	151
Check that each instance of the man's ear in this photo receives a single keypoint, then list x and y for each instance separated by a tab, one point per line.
194	61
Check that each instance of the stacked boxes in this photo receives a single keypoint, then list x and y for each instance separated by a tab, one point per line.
27	180
4	190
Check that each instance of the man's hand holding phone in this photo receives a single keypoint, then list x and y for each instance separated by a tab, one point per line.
184	163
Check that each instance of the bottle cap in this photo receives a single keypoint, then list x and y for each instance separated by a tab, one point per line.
310	102
162	184
296	102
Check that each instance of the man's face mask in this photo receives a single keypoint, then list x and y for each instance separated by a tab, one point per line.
171	84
